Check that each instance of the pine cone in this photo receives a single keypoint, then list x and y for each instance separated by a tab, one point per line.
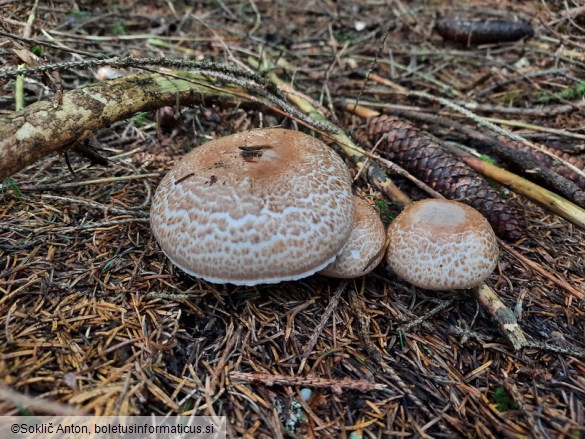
434	165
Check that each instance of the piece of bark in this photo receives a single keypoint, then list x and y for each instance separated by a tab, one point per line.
548	162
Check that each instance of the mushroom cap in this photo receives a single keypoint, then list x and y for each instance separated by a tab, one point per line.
260	206
442	245
364	248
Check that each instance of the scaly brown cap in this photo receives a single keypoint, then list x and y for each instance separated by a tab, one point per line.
364	248
261	206
441	245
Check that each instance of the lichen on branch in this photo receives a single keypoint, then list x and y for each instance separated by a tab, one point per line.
45	127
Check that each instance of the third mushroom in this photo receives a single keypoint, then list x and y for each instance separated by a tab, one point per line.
441	245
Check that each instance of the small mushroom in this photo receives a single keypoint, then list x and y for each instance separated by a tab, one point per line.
261	206
441	245
365	247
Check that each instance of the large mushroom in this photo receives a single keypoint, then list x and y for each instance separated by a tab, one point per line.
365	247
441	245
261	206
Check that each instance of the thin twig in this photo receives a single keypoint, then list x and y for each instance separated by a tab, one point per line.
336	384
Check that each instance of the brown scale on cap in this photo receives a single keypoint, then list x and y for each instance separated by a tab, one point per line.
261	206
441	245
365	247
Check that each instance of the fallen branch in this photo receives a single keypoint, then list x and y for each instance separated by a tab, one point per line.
501	314
545	198
337	385
43	127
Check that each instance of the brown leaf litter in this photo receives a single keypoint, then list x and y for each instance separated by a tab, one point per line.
94	318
